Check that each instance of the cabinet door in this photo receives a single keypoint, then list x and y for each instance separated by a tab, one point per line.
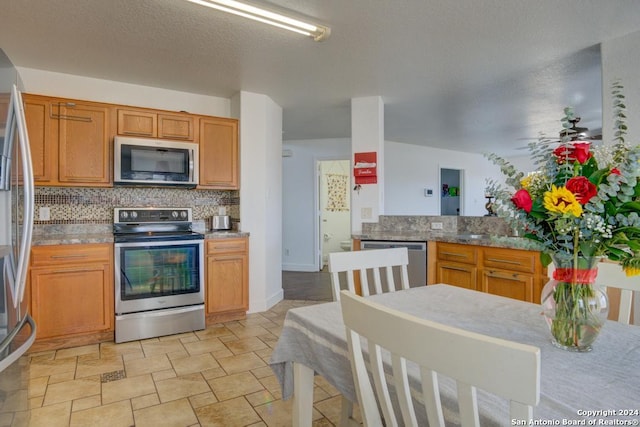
4	108
73	299
227	282
43	141
83	144
218	153
175	126
509	284
137	123
456	274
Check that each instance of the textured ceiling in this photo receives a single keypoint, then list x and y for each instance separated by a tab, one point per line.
472	75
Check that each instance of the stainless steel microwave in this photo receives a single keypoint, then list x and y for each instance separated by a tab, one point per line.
155	162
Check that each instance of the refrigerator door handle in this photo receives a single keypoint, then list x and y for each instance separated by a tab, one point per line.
27	176
17	353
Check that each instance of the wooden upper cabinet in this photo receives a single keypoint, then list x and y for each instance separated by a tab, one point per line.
153	124
83	145
137	123
219	153
174	126
40	139
69	141
4	108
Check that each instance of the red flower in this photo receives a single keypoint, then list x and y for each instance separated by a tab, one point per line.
582	188
522	200
615	171
575	152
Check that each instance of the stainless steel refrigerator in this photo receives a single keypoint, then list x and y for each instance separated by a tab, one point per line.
17	329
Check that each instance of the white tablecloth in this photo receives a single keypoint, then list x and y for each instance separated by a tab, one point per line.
607	379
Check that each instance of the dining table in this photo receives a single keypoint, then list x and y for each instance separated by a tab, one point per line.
599	387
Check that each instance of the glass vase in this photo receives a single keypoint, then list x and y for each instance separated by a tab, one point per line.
574	307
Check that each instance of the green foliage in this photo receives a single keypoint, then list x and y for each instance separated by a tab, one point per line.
609	224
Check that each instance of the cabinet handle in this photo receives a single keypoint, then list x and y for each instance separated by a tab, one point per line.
128	132
73	270
65	116
69	256
456	268
453	254
504	261
493	274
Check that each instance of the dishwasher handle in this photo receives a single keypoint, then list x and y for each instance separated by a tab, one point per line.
412	246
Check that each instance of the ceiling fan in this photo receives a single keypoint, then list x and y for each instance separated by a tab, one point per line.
577	133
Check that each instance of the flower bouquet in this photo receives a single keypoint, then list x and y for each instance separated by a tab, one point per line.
582	204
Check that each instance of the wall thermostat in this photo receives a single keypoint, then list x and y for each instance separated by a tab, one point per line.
428	192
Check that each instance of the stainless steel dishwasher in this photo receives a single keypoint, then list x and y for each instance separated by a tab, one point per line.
417	268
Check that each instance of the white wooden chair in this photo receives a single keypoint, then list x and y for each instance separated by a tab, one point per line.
374	261
507	369
611	275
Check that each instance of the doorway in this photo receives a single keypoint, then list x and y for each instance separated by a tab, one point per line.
333	201
451	191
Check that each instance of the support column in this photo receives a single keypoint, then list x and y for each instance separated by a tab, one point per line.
367	134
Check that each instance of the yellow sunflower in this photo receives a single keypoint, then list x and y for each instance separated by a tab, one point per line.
562	201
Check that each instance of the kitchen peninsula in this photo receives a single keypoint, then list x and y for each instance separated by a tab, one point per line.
478	253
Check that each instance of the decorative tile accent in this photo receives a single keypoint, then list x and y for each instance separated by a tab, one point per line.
113	376
95	205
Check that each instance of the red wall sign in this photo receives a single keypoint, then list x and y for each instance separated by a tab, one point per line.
365	169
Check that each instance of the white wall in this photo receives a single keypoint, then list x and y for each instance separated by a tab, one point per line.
621	60
78	87
298	205
409	169
367	135
261	195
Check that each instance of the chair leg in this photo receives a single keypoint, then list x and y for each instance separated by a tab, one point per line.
346	414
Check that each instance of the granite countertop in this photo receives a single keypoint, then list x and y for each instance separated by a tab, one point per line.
512	242
89	238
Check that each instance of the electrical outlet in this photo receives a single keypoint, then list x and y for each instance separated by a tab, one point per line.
44	213
436	226
366	213
222	210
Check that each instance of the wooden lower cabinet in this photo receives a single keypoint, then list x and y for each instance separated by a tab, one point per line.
227	273
508	284
71	291
512	273
457	264
463	275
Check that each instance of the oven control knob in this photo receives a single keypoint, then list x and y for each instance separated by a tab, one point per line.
174	214
124	214
183	214
134	214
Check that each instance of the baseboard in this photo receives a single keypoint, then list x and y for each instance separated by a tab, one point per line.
310	268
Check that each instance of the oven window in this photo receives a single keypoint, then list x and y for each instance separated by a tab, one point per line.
153	271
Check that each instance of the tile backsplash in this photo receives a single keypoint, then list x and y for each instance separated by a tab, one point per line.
95	205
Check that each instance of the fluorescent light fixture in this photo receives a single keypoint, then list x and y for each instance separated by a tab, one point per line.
316	32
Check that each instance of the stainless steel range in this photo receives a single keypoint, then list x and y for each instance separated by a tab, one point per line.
159	273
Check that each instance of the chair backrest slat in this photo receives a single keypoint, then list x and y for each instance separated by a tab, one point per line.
372	261
507	369
612	275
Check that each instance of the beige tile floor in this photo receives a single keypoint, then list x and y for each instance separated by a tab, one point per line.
215	377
